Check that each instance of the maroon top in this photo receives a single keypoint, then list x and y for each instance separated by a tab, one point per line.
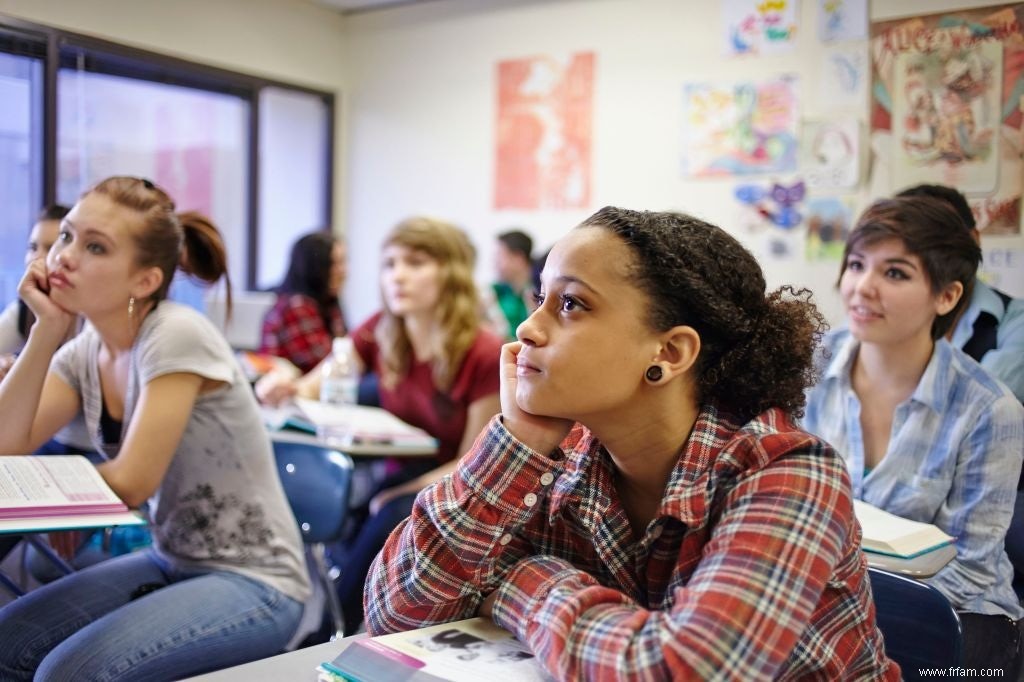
416	400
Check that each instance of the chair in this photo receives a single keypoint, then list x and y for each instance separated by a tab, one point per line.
920	627
317	482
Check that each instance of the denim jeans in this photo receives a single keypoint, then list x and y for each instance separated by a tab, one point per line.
133	618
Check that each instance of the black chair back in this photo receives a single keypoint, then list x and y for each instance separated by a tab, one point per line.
920	626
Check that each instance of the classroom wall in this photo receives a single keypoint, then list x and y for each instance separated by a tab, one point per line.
422	115
294	41
416	101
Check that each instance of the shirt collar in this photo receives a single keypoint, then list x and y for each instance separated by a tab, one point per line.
590	484
935	385
932	389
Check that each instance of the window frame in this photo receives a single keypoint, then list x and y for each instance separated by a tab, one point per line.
59	48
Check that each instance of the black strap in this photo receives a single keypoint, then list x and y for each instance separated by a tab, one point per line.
110	428
986	329
25	319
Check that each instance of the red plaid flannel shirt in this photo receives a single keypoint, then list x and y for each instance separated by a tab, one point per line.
294	329
751	569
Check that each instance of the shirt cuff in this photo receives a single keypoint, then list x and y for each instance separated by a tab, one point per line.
506	473
529	585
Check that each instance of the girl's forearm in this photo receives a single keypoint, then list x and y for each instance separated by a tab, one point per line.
21	390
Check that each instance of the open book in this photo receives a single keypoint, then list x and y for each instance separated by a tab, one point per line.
464	651
343	426
57	492
886	533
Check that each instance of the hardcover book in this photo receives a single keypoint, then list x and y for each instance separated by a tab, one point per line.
886	533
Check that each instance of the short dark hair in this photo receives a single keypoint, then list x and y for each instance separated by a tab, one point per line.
923	225
517	241
53	212
757	348
951	196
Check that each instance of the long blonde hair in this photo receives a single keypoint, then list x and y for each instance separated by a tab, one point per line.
457	311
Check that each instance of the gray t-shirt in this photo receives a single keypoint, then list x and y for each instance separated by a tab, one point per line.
220	504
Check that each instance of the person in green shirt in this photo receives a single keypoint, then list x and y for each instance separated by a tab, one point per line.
511	297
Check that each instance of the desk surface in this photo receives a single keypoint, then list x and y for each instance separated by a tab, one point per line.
297	666
355	450
922	566
277	419
71	522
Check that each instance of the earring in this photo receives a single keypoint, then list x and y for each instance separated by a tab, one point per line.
654	374
131	306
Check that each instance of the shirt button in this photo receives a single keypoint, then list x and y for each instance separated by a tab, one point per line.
546	478
530	499
505	539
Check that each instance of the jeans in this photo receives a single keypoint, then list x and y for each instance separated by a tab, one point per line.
132	617
992	642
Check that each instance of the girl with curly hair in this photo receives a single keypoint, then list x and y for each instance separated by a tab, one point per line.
645	507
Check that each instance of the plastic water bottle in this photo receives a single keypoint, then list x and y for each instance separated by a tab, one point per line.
339	378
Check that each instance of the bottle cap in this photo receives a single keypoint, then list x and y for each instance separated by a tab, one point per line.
342	345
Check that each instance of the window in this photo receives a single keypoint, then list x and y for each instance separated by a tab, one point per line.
294	164
192	143
254	154
21	180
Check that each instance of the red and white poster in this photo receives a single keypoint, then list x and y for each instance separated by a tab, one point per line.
544	126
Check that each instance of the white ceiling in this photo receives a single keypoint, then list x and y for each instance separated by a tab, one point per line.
352	6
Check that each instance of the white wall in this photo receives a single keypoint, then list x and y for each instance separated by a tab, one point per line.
287	40
423	106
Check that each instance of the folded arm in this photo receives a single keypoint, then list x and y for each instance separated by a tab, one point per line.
760	578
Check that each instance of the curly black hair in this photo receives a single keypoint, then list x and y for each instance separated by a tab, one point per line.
757	348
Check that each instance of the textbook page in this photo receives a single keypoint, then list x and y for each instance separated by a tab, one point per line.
53	485
471	650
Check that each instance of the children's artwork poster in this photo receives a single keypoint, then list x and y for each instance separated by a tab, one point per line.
948	102
945	116
743	129
994	215
544	132
828	221
775	204
842	20
844	79
830	153
759	26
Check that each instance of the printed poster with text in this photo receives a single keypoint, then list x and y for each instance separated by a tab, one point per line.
948	104
544	129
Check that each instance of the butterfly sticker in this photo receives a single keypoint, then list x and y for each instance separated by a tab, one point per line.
776	204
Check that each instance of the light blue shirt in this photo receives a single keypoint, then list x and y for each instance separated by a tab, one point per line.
1006	361
954	458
